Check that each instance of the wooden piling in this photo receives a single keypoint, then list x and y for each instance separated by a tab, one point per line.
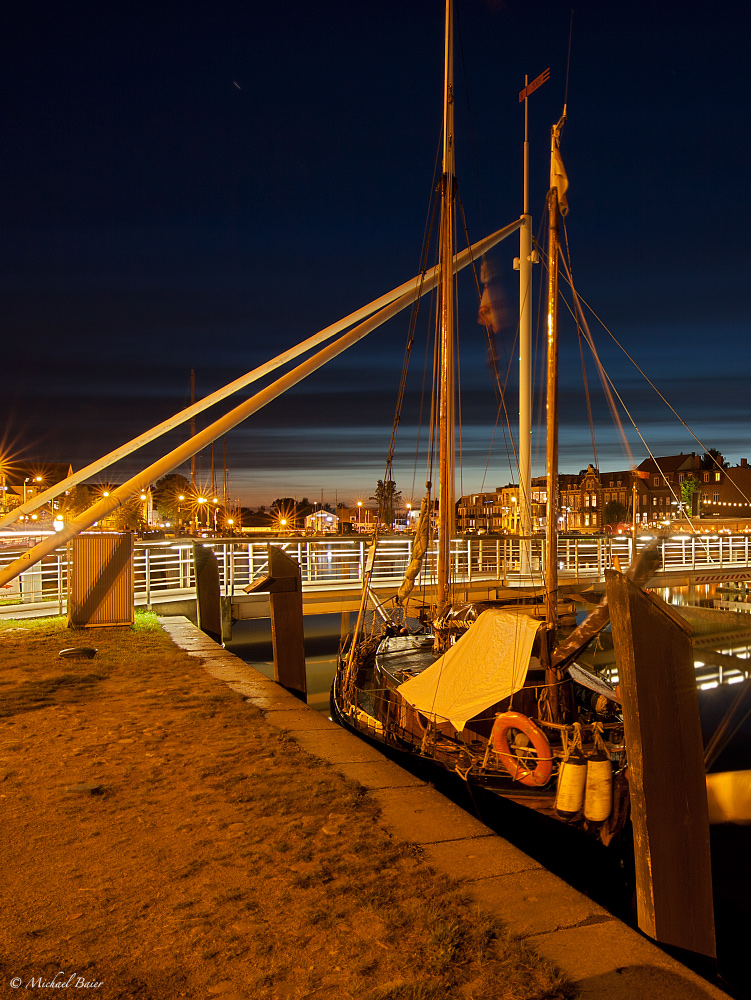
283	583
666	768
208	603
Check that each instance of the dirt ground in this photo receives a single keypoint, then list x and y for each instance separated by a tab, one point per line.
160	839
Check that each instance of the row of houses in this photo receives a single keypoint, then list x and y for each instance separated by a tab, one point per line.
658	492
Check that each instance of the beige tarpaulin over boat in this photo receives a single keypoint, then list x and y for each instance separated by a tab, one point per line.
489	663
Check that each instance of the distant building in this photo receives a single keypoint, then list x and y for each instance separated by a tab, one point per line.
360	518
255	523
20	481
321	522
726	492
497	512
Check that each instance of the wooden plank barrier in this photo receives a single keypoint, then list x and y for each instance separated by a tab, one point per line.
666	768
284	586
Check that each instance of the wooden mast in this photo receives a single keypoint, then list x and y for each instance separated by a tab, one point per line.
446	350
525	363
551	432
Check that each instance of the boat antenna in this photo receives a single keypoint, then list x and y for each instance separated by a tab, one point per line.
568	61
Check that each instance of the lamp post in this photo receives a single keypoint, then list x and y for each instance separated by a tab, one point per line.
3	485
359	517
200	501
145	509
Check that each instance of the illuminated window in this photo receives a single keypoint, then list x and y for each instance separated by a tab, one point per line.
717	477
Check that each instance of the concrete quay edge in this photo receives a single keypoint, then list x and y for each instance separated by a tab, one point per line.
606	959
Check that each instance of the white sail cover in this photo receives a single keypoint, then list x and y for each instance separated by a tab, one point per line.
489	663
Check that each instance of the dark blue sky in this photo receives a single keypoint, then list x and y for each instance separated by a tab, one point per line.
201	185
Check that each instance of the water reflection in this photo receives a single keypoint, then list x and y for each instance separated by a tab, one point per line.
251	641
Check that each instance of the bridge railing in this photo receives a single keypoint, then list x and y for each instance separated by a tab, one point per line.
164	569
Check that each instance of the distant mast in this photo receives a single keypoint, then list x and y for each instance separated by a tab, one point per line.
192	427
446	347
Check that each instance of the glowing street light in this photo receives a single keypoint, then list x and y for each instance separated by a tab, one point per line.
200	501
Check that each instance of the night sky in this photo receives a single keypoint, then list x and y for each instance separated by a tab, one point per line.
202	185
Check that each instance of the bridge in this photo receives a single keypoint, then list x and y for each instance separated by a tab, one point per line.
332	569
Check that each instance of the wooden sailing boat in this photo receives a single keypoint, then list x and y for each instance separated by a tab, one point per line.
485	690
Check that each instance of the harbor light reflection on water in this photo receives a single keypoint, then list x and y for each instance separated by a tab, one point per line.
251	641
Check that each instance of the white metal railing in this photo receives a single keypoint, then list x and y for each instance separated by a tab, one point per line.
163	570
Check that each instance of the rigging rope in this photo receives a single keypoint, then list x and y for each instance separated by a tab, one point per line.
581	345
611	390
427	239
728	727
651	384
500	389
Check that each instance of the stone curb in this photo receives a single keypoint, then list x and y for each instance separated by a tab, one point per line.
604	957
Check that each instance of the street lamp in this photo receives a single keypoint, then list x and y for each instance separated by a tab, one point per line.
199	501
359	517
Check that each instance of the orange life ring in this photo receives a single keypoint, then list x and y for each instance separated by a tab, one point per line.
516	767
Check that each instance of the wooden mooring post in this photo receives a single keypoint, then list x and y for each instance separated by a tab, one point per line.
283	584
666	768
208	599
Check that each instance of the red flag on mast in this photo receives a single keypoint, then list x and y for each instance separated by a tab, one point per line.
537	82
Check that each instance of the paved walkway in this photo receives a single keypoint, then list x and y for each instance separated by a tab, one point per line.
607	959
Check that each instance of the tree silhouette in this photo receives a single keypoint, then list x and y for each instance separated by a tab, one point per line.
712	458
388	499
